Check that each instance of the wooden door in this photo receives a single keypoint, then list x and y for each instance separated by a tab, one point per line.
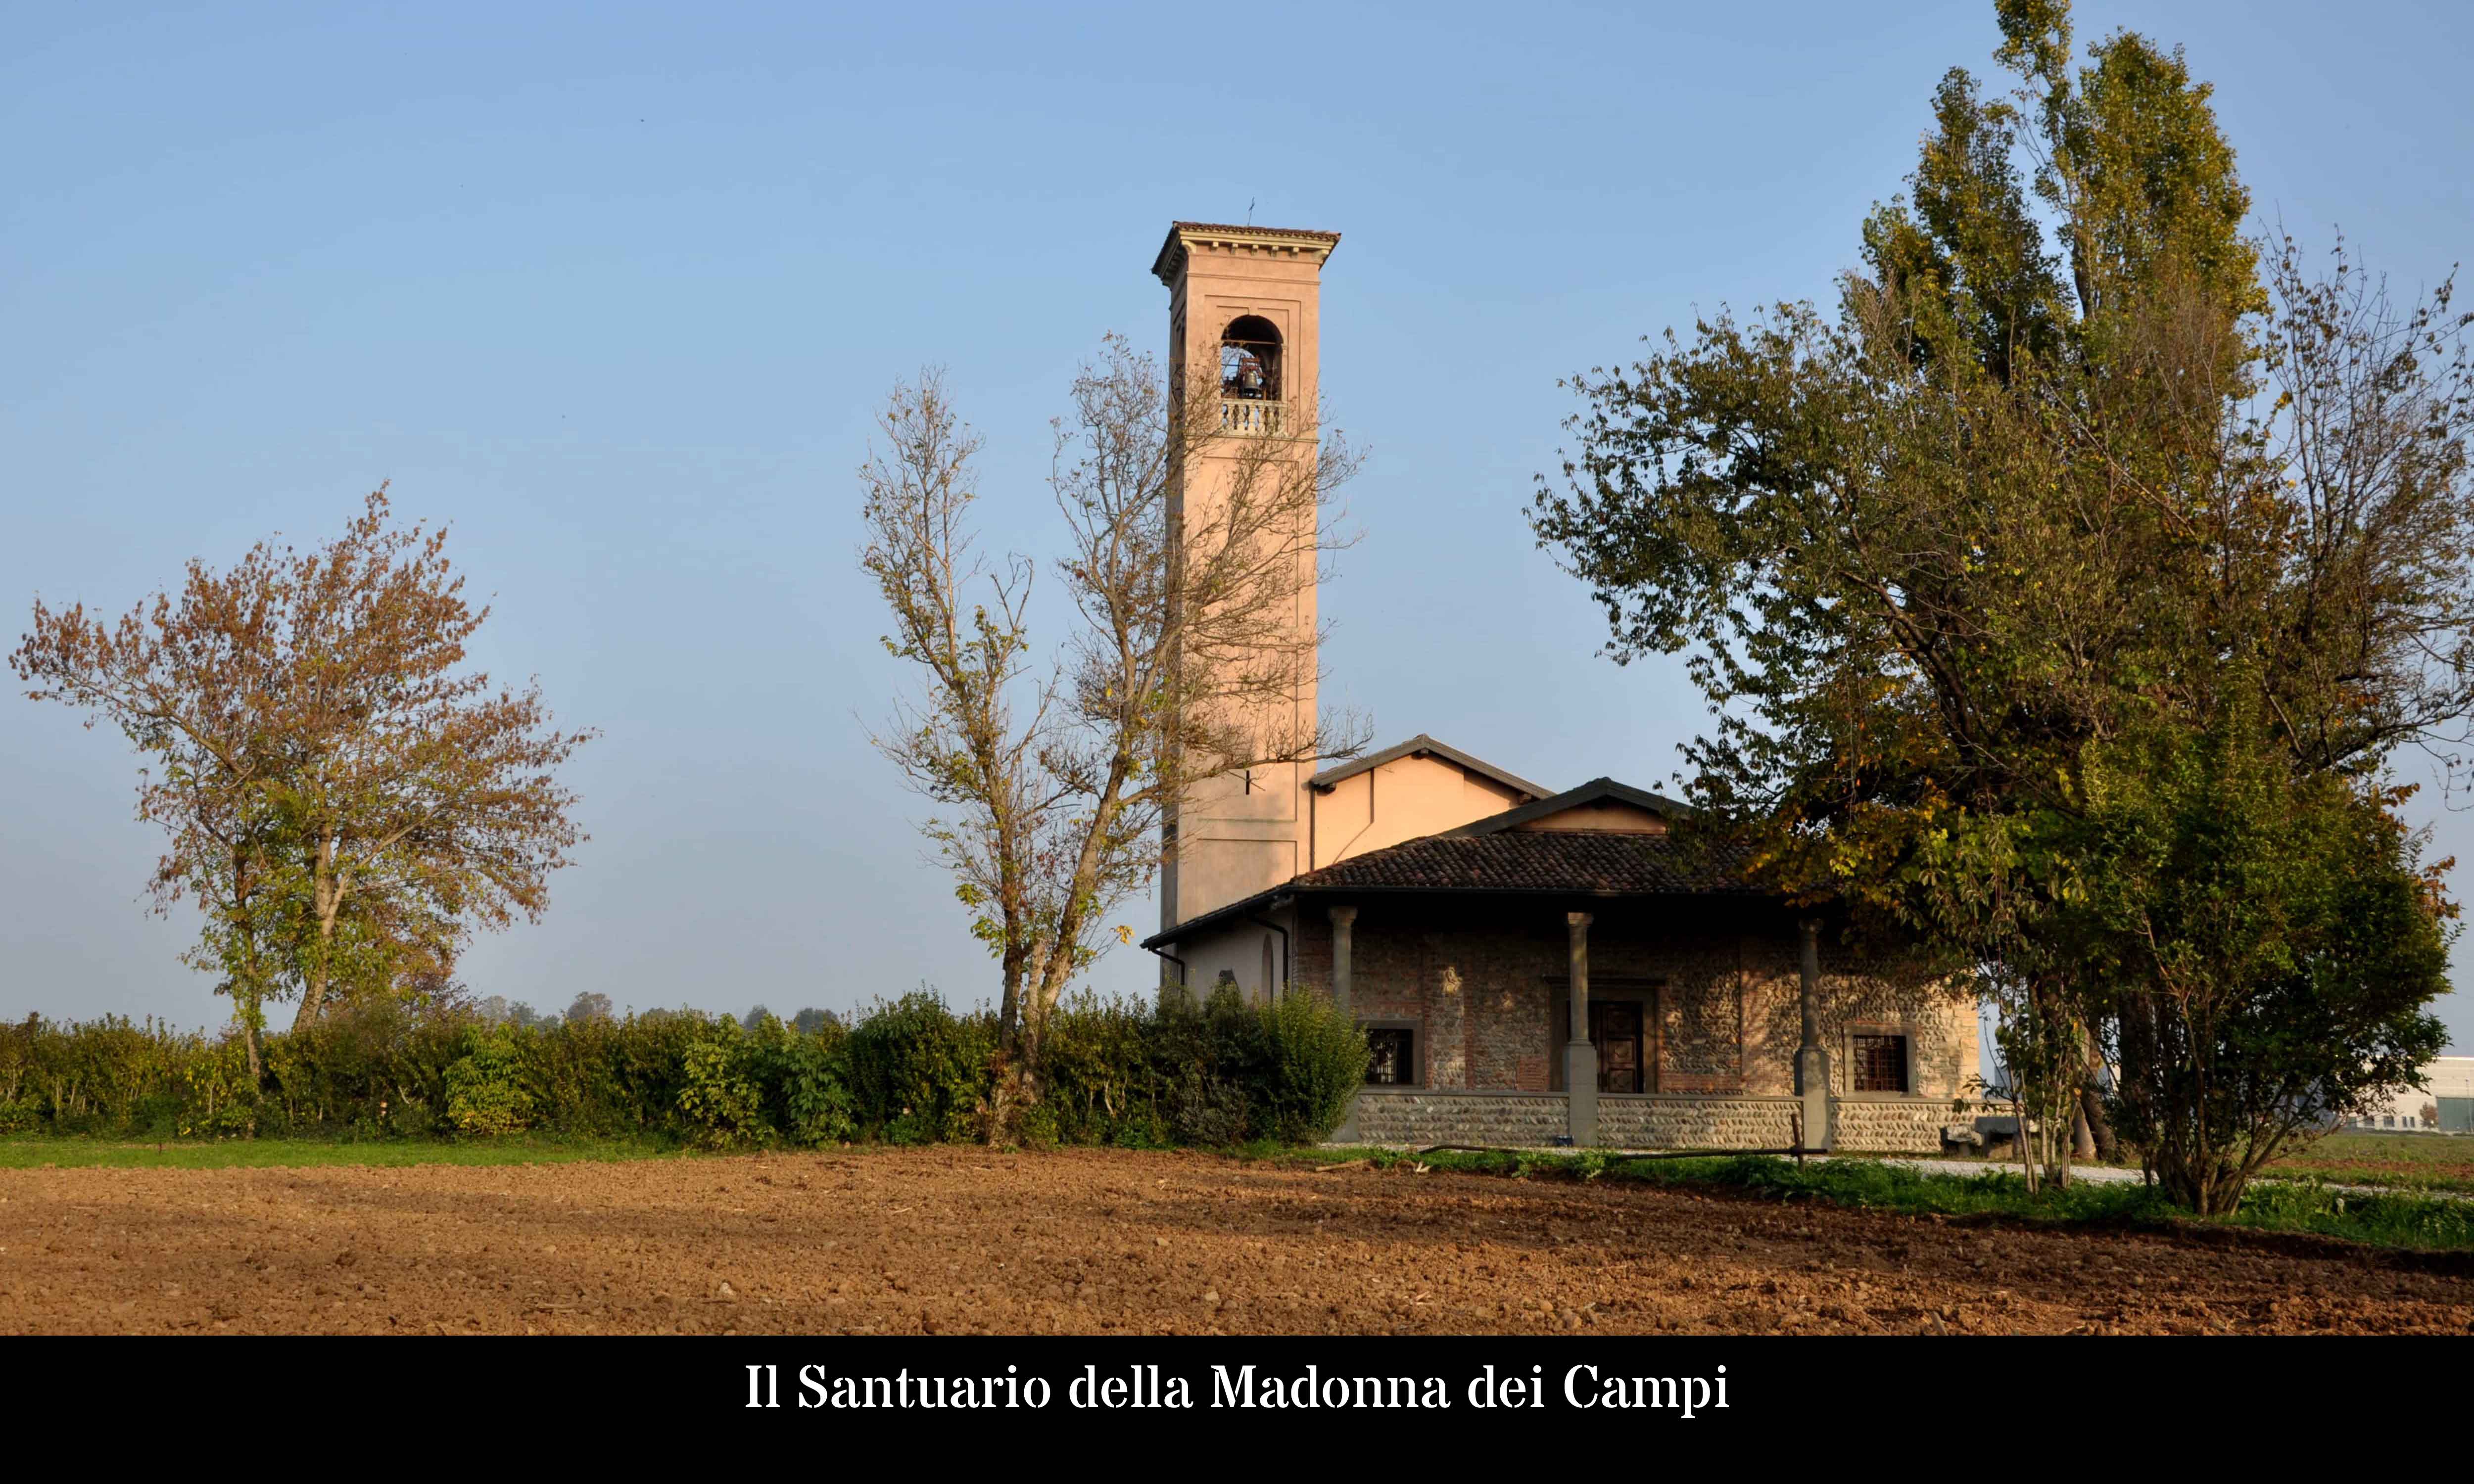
1614	1025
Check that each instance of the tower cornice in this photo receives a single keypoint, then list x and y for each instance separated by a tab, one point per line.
1277	241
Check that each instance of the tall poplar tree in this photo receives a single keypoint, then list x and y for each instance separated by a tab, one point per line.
2062	599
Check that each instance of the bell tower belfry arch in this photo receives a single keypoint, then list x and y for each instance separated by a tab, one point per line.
1245	331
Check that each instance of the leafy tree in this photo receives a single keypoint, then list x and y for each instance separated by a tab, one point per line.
2264	940
348	800
2078	478
812	1021
590	1006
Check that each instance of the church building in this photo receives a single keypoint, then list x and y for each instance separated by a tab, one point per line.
1533	964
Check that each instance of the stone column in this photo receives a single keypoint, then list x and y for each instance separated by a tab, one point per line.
1811	1058
1580	1058
1344	997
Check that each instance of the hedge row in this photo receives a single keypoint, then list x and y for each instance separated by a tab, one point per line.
908	1070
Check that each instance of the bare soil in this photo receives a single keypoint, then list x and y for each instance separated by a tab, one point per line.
960	1239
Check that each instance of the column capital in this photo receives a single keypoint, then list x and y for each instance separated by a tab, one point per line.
1342	916
1578	919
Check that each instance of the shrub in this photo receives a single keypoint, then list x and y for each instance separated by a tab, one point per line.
1207	1110
485	1092
918	1074
1099	1077
719	1099
809	1094
1313	1063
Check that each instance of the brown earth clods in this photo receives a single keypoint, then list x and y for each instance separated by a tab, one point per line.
960	1239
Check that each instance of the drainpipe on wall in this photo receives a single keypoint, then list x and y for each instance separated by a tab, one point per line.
1171	958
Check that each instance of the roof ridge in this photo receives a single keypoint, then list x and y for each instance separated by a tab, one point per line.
1422	742
1572	798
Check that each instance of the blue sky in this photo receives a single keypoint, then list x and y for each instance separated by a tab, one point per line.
616	289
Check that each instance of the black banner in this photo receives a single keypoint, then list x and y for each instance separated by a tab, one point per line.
646	1395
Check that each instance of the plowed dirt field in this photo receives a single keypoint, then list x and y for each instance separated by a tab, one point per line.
960	1239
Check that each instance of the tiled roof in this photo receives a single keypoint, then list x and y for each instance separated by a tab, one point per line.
1583	862
1498	854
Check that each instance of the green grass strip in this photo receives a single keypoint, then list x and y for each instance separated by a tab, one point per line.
2402	1220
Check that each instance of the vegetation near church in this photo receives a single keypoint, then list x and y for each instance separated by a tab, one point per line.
2065	597
905	1071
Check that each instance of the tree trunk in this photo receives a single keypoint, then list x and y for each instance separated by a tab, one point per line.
249	1019
2108	1149
326	893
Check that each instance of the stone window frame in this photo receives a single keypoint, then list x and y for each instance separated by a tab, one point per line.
1847	1035
1417	1030
1650	989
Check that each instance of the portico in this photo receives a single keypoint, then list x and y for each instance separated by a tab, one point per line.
1573	972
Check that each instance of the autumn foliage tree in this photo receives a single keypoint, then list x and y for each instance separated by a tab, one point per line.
2062	599
1054	768
347	799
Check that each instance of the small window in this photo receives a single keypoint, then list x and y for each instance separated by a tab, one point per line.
1880	1063
1393	1060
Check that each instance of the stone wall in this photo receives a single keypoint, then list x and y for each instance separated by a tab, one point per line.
1492	1120
1536	1121
1896	1126
1697	1122
1700	1032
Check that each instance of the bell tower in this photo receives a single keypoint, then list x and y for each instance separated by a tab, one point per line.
1243	331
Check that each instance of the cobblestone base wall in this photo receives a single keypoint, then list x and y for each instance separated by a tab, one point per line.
1496	1120
1697	1122
1525	1119
1897	1127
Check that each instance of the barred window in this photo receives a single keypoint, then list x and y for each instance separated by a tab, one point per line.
1880	1063
1394	1060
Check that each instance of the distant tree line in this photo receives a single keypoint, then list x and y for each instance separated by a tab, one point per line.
591	1005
